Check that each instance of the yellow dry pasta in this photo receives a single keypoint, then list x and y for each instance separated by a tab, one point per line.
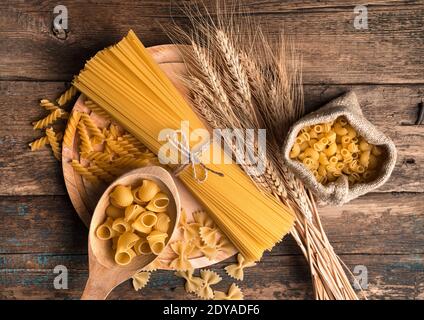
85	142
142	246
67	96
114	212
54	143
236	271
234	293
163	222
50	119
39	143
48	105
209	235
100	173
223	245
147	190
126	241
190	230
121	196
144	101
156	240
132	212
96	109
145	222
209	278
140	280
83	171
121	226
183	251
202	218
335	150
159	203
98	156
71	128
92	127
105	231
124	258
192	284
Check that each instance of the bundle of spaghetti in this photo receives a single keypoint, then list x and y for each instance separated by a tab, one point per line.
125	81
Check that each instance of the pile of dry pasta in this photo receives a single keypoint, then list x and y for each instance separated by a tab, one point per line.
56	112
106	152
333	149
137	222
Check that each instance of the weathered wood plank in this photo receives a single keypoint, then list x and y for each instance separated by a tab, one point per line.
392	108
333	50
373	224
30	276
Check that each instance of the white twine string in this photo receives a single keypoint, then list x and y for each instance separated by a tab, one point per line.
183	146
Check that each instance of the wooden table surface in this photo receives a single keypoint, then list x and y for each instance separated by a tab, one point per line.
383	231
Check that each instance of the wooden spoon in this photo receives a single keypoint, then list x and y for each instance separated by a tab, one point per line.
104	273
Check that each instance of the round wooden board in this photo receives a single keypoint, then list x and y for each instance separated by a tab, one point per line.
84	195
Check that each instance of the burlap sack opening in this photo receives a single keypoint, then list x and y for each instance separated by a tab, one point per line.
339	192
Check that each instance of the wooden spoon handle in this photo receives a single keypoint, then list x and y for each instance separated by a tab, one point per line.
96	289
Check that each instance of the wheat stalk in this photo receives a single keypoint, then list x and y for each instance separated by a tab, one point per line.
232	89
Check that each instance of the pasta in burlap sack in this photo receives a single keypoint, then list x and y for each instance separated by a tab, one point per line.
339	191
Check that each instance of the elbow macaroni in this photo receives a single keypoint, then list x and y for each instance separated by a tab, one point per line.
332	149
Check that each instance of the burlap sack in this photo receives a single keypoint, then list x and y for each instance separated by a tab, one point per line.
339	192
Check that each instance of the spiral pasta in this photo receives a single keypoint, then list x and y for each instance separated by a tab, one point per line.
83	171
67	96
71	128
96	109
85	143
92	128
54	143
50	119
48	105
39	143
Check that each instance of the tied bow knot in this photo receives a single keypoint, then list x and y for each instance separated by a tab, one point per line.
193	156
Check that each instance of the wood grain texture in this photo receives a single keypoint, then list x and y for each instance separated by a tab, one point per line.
391	108
30	276
379	223
384	65
389	51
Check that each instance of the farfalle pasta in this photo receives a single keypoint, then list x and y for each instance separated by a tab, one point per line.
133	229
209	278
140	280
234	293
182	250
190	229
236	271
192	284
